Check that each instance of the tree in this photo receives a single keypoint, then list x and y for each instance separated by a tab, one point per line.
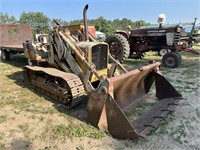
39	22
6	19
103	25
141	23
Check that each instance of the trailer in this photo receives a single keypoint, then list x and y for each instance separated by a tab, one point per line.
12	37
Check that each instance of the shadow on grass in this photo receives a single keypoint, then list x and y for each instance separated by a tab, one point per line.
78	112
17	60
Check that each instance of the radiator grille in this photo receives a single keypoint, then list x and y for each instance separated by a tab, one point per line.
99	56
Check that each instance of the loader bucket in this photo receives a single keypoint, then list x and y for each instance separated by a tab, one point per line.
124	94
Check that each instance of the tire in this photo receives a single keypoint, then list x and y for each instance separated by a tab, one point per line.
162	52
171	60
178	55
5	55
118	46
137	55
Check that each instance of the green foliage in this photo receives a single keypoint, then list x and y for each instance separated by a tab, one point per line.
108	26
39	22
6	19
103	25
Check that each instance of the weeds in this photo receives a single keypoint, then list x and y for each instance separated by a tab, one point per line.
2	146
62	131
197	112
3	119
25	129
179	133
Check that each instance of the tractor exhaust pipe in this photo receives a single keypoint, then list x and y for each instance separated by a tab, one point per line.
85	23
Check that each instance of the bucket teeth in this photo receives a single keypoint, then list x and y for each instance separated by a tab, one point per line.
127	95
150	125
168	110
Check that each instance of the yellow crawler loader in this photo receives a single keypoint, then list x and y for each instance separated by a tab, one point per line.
66	69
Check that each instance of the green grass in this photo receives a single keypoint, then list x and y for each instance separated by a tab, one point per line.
82	130
2	144
179	133
25	129
197	112
138	110
3	118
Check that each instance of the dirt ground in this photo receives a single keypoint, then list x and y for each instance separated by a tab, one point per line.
29	121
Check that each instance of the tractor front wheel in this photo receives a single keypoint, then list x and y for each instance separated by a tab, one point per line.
171	60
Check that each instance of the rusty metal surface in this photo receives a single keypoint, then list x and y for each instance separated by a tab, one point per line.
125	93
187	49
131	89
13	35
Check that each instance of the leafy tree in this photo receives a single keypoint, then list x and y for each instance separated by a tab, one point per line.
109	26
6	19
103	25
141	23
39	22
76	21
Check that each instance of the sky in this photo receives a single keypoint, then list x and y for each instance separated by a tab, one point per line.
177	11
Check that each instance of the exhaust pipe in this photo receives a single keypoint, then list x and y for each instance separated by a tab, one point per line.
85	23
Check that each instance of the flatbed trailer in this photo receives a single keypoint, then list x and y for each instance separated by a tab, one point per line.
12	37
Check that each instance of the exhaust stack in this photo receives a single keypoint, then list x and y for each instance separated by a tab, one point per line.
85	23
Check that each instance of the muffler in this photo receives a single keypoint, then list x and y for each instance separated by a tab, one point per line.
108	107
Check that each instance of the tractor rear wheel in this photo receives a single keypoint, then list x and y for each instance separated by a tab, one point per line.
171	60
118	46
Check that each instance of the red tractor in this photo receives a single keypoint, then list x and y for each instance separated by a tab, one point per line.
135	42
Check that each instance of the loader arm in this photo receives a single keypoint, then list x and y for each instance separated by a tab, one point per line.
75	66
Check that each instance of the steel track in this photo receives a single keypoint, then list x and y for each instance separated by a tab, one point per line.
60	86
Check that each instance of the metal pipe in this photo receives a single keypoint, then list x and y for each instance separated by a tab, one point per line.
85	22
192	30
